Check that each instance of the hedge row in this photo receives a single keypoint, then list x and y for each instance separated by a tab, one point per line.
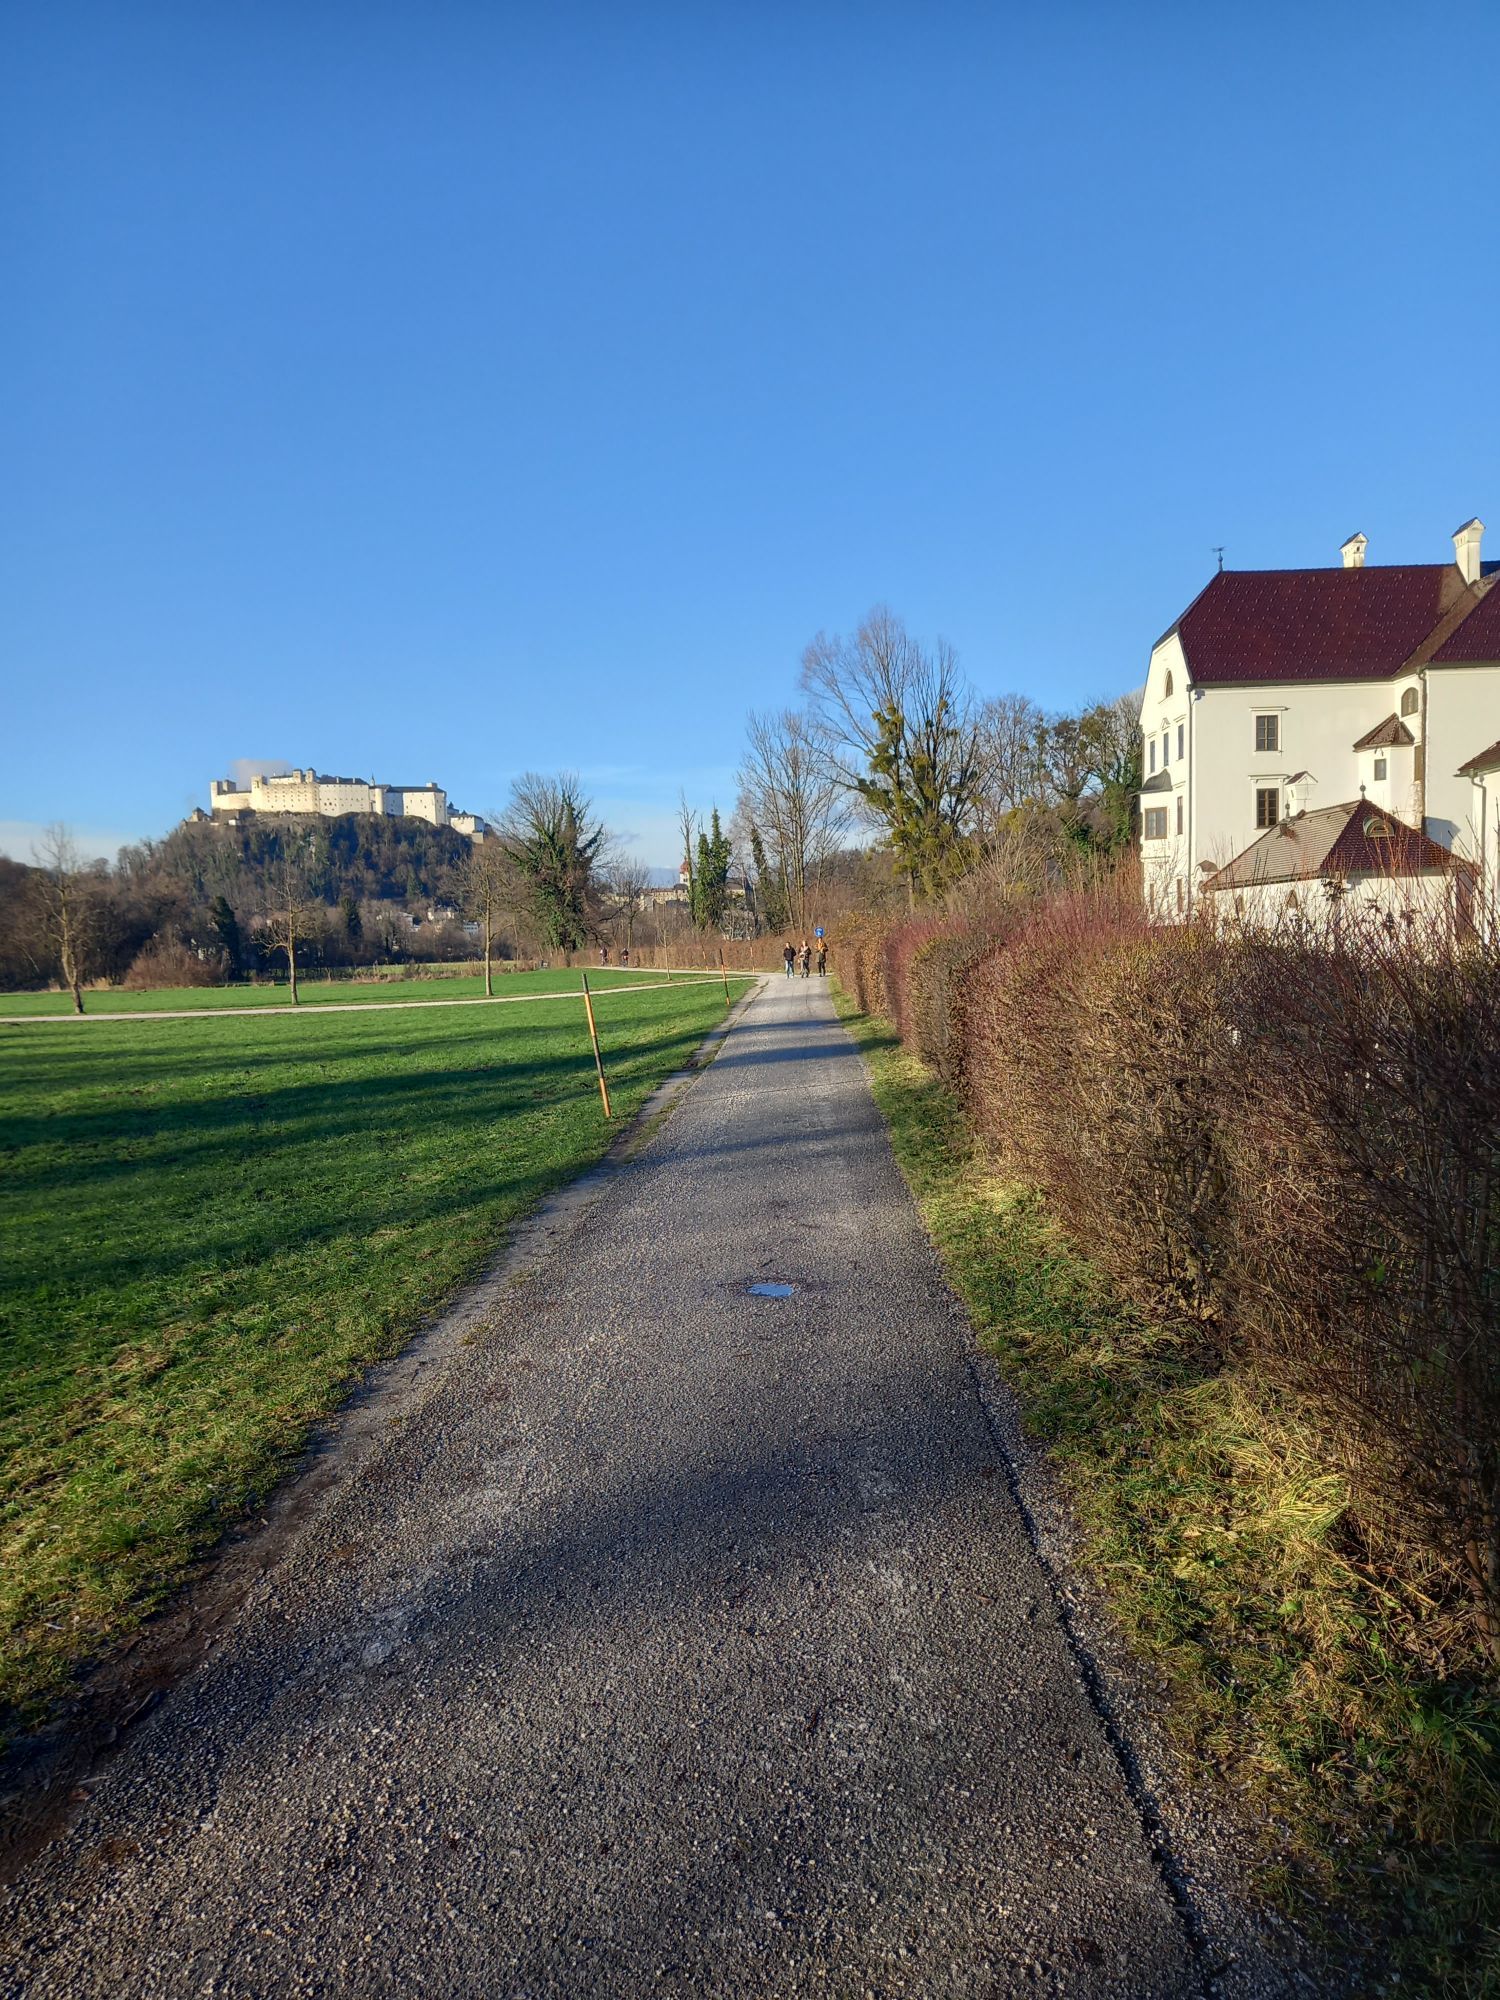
1292	1148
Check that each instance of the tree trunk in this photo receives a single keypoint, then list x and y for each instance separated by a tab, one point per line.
489	987
72	972
291	960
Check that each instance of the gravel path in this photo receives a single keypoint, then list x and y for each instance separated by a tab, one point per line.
677	1641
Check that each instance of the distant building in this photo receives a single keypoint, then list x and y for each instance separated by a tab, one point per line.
314	792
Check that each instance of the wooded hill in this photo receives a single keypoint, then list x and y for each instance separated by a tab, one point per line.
364	857
199	895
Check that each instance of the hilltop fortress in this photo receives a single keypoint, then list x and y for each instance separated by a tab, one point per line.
313	792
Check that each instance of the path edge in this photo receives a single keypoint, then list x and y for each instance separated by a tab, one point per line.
48	1772
1190	1845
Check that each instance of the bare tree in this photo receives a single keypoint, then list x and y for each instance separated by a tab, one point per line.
687	822
897	725
66	907
486	891
627	882
792	799
291	916
851	682
1012	758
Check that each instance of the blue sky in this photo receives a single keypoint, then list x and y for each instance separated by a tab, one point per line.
434	392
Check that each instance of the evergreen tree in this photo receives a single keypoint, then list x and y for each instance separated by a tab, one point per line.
227	928
711	878
770	886
552	842
911	787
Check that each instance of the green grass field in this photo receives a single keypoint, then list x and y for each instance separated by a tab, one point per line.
315	992
208	1228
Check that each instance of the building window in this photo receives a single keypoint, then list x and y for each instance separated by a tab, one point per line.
1380	769
1267	805
1409	702
1168	689
1179	741
1154	826
1179	812
1164	741
1268	732
1153	753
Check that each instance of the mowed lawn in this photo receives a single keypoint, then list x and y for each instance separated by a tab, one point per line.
315	992
209	1227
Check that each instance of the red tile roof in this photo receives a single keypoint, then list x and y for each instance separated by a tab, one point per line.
1487	760
1395	849
1387	735
1478	637
1335	840
1252	626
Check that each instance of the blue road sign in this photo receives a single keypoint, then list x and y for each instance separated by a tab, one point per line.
817	930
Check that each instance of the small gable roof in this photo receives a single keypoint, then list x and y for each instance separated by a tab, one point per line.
1387	735
1351	839
1487	760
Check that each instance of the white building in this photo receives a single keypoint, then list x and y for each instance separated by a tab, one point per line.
312	792
1282	695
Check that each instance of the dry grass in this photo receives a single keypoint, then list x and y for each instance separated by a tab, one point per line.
1326	1678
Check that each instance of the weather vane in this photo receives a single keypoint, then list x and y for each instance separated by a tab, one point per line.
1220	554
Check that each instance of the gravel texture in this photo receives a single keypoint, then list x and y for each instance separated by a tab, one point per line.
670	1641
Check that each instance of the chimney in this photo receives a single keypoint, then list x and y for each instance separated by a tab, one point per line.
1466	549
1353	551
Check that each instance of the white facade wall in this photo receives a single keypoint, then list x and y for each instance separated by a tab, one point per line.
1165	710
1315	764
1463	718
1485	834
1421	900
344	795
306	792
295	793
427	802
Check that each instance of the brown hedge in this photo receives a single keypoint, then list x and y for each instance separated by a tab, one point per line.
1290	1147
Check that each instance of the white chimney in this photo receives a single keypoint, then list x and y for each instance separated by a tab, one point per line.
1353	551
1466	542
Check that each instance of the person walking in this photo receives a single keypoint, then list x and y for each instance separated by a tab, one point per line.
804	958
822	961
789	956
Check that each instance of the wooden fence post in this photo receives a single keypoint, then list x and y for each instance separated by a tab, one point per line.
588	1002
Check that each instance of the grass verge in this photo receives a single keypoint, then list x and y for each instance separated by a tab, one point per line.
1329	1697
209	1228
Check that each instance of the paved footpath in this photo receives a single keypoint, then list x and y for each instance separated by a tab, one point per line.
677	1642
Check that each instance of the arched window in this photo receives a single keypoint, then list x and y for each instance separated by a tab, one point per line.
1409	702
1168	688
